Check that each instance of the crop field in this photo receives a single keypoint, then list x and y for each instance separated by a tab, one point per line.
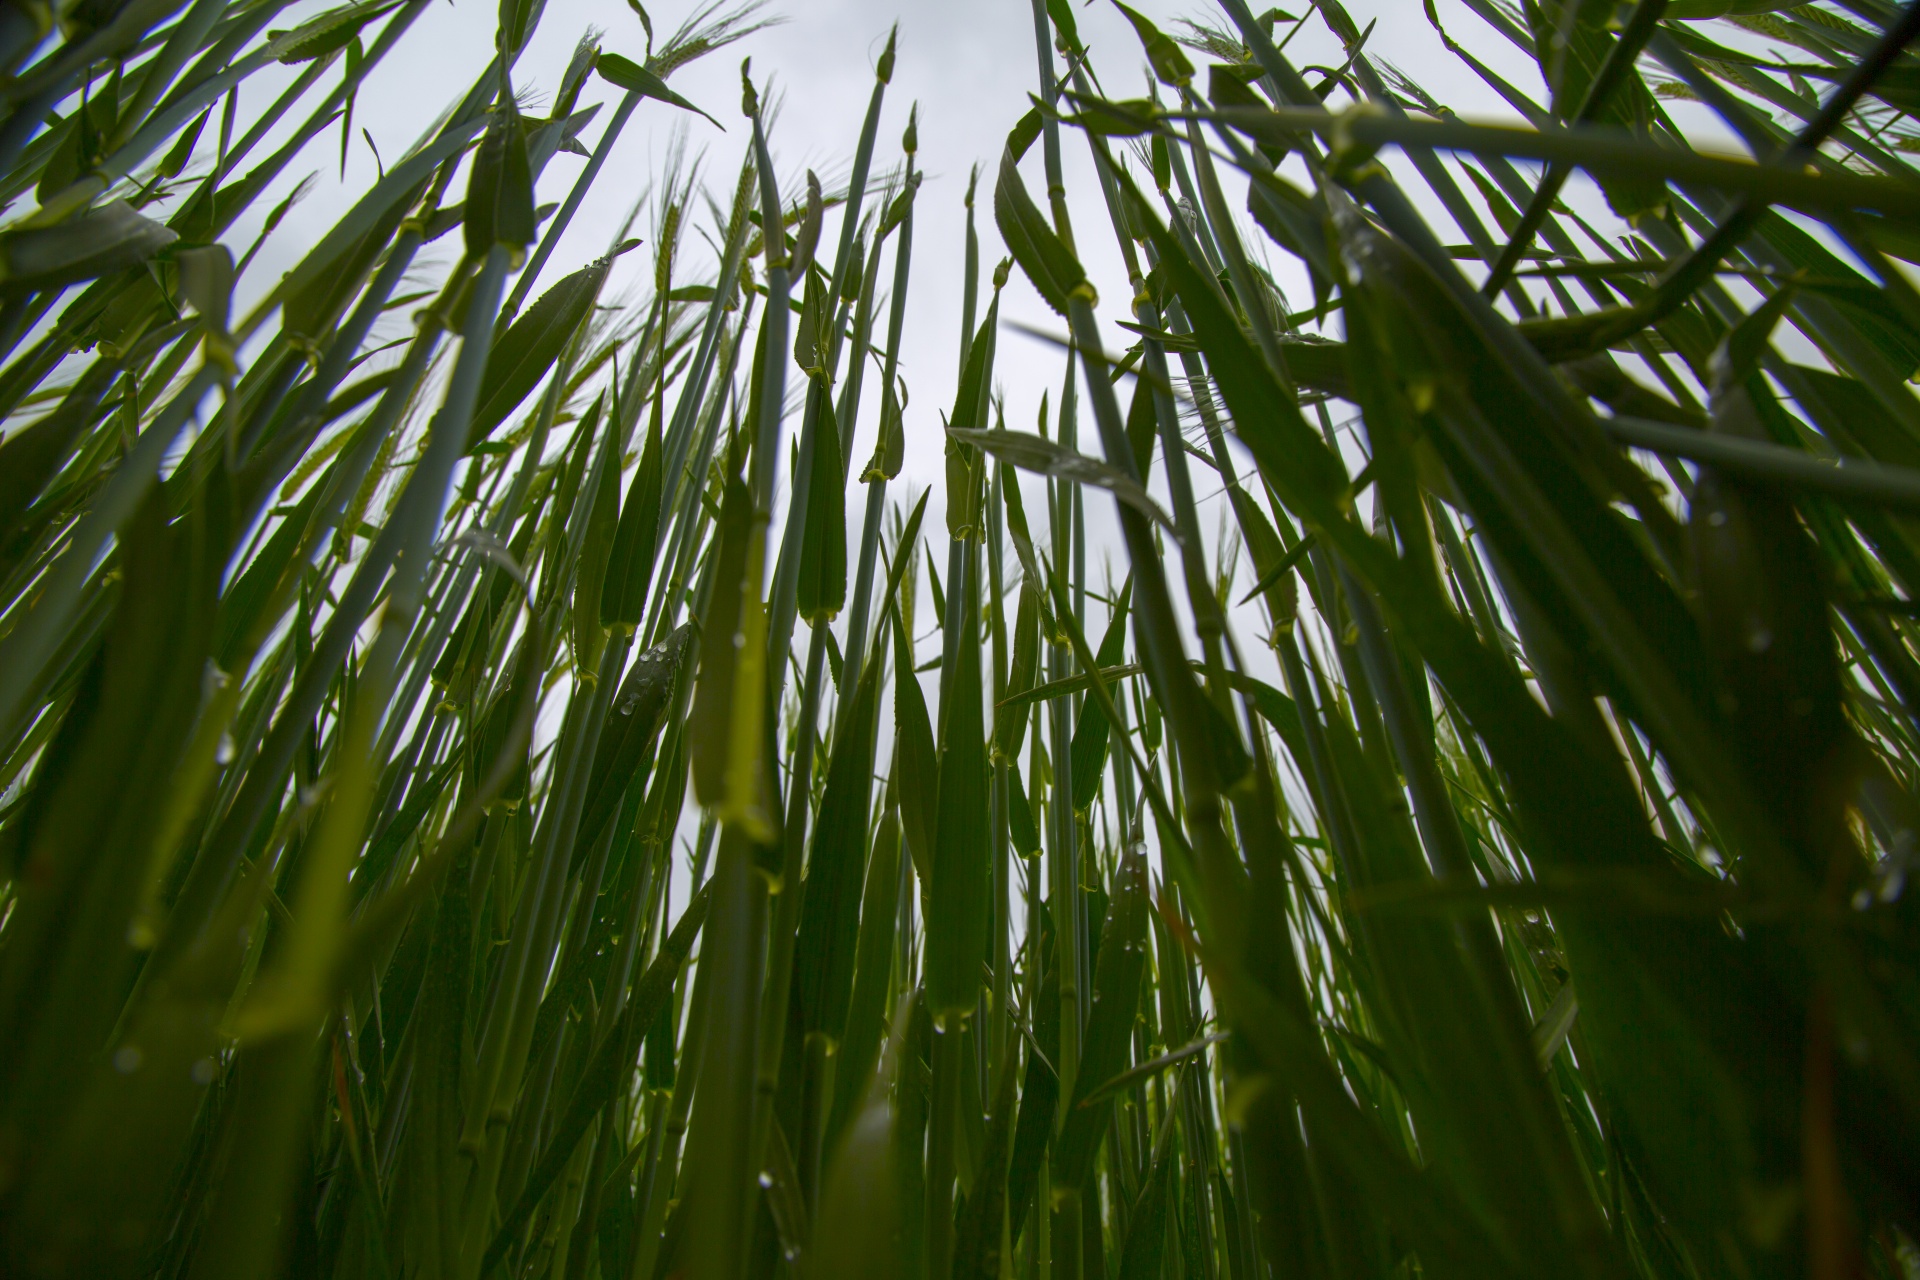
1403	762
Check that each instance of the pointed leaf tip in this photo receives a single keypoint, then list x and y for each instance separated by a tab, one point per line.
625	73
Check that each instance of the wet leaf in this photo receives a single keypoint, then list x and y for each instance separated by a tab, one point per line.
523	355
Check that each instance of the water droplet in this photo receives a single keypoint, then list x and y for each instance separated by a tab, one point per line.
127	1060
766	1180
202	1071
223	753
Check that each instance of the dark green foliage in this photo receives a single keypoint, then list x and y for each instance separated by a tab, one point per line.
447	829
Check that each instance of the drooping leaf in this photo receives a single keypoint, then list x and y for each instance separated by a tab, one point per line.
1043	457
624	73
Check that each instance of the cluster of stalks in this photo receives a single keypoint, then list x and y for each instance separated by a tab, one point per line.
456	820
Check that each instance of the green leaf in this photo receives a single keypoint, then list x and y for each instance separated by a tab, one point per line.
1266	419
916	767
176	160
67	962
806	237
1040	1091
890	445
1010	717
518	18
1281	590
977	1245
31	456
1022	539
531	346
1107	1043
1130	118
1166	57
872	973
1043	457
719	653
1140	1257
325	281
822	588
1023	833
499	207
1152	1067
99	242
1054	271
933	573
836	868
1706	10
1089	750
624	73
1607	153
1025	130
1061	11
321	267
330	32
965	476
957	911
1897	488
903	557
606	1072
859	1224
899	207
590	570
635	542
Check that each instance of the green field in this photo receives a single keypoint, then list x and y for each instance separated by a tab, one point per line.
1406	767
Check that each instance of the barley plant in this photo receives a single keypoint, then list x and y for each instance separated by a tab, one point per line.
501	784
